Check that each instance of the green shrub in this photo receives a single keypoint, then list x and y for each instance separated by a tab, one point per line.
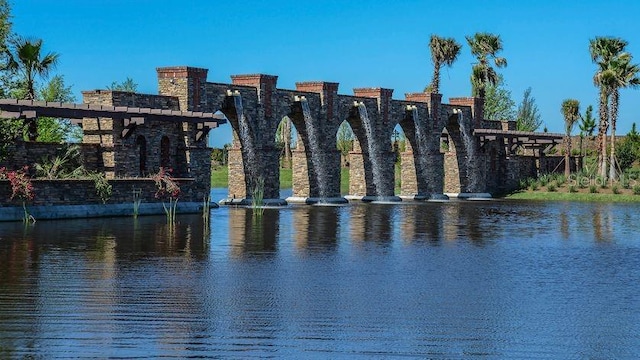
582	181
615	189
573	189
551	187
636	190
534	186
561	179
593	189
544	179
625	182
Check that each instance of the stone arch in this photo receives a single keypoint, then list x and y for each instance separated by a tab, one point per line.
165	152
141	145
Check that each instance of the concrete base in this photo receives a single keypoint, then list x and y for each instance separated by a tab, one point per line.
16	213
425	197
249	202
316	201
381	199
469	196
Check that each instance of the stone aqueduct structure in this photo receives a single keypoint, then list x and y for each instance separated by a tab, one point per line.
480	158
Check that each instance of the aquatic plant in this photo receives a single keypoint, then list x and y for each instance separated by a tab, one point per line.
167	188
21	188
257	197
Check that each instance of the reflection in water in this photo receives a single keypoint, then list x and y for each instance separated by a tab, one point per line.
318	229
420	280
251	234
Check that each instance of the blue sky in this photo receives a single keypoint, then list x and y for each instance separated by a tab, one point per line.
357	44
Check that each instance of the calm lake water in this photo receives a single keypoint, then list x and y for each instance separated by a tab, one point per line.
454	280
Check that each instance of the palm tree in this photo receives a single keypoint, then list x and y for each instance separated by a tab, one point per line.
571	112
625	75
444	51
27	61
485	46
603	51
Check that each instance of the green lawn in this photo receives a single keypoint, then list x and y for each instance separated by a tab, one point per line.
566	196
220	178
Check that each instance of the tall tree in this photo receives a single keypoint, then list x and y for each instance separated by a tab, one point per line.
26	59
485	47
128	85
9	128
587	126
498	104
528	118
55	129
283	139
444	51
625	76
603	51
571	112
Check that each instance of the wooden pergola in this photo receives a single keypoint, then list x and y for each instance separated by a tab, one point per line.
520	139
131	116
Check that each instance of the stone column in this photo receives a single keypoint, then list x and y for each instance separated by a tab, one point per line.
381	124
263	123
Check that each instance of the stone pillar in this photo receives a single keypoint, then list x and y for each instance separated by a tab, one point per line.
102	131
327	124
184	82
237	181
382	129
300	174
263	125
409	180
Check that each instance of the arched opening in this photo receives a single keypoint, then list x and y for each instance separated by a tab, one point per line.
286	141
141	144
452	146
344	143
165	152
398	146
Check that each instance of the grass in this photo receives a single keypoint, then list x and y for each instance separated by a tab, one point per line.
220	178
577	196
579	187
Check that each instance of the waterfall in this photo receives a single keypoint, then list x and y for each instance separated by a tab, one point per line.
374	154
421	140
248	146
472	165
314	147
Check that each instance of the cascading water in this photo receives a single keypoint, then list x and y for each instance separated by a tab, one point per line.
314	146
421	139
374	155
467	139
244	132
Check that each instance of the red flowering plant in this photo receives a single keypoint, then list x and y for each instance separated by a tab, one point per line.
21	187
167	187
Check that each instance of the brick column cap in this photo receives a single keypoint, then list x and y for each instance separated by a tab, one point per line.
252	79
373	92
317	86
181	72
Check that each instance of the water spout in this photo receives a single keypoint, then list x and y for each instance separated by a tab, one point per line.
374	153
471	161
249	154
317	160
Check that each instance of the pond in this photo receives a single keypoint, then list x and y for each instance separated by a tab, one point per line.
452	280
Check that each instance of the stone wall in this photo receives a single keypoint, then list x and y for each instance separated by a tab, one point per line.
78	192
23	153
